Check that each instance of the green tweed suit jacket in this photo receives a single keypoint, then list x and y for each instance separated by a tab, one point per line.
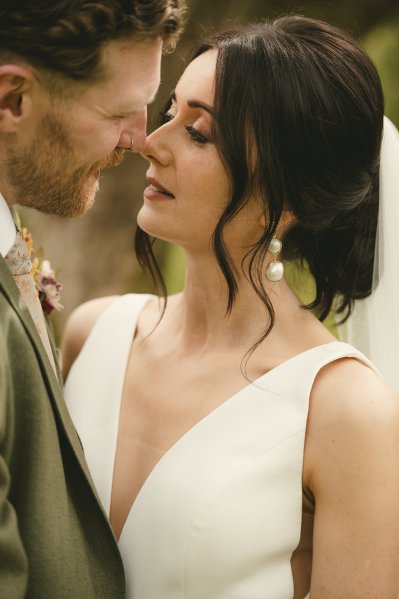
55	541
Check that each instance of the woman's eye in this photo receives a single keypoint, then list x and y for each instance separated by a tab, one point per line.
165	117
195	135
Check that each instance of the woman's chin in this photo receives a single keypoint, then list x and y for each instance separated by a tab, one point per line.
154	226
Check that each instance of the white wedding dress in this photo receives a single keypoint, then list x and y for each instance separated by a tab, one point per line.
220	514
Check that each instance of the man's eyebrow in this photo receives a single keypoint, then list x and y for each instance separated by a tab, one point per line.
131	112
195	104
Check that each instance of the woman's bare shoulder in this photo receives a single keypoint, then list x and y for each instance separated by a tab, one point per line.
351	466
353	412
352	390
78	327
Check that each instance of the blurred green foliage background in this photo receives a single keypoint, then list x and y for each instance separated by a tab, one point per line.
93	255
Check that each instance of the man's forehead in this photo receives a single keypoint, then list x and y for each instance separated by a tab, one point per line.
131	75
130	51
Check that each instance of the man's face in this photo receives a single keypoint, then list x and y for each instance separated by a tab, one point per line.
55	166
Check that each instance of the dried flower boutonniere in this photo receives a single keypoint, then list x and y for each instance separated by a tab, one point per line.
48	288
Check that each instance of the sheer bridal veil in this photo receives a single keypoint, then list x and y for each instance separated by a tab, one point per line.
373	327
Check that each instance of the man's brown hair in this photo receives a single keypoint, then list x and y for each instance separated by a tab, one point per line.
66	37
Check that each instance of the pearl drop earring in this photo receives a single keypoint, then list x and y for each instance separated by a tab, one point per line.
275	270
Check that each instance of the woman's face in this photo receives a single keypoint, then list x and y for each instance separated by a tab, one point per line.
188	184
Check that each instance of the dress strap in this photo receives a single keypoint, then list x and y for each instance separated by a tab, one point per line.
94	387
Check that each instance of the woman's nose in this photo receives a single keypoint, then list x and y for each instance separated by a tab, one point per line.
158	146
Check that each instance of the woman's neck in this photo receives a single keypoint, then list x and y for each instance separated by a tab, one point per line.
198	320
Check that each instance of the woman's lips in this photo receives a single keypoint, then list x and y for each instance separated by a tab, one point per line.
152	192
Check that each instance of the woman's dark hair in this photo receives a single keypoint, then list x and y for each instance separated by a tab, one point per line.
306	101
66	37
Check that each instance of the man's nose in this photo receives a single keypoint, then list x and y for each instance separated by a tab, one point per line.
134	134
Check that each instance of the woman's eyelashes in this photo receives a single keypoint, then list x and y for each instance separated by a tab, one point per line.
195	135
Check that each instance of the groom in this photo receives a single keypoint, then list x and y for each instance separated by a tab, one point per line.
75	79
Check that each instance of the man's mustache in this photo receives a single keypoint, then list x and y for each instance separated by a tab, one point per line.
113	160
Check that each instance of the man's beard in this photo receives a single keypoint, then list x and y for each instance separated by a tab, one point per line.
47	176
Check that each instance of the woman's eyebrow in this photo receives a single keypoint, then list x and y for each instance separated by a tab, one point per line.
195	104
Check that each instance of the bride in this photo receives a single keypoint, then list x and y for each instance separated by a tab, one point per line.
239	449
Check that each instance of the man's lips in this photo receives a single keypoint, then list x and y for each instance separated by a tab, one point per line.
95	173
113	160
156	190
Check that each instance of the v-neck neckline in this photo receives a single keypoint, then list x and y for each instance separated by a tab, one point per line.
222	406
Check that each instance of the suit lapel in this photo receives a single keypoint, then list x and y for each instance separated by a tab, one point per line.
10	290
50	332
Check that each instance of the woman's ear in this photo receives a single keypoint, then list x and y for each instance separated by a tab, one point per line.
15	102
287	218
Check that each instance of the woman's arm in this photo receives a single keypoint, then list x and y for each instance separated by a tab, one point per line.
78	327
352	468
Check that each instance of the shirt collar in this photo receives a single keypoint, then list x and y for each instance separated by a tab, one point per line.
7	228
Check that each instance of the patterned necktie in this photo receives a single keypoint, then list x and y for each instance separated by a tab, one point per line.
20	265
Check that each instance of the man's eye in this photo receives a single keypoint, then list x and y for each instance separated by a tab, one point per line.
165	117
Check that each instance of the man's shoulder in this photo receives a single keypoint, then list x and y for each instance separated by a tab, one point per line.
17	351
8	315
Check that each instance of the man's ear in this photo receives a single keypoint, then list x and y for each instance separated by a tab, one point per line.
15	101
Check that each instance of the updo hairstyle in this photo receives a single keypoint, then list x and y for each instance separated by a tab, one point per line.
305	99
